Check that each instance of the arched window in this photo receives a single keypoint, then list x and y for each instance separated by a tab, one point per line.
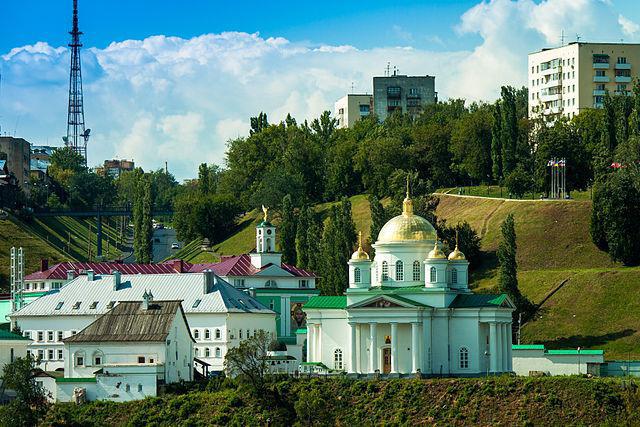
207	334
218	353
268	248
399	270
217	334
196	334
464	358
270	284
454	276
356	275
385	271
433	276
207	352
337	359
416	271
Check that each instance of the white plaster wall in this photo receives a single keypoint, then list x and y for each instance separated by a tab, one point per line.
525	361
113	353
19	348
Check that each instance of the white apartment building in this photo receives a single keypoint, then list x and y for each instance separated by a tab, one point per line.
351	108
565	80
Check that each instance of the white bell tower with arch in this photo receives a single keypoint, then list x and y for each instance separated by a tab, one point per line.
265	244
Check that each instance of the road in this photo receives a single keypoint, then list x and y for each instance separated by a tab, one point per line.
162	240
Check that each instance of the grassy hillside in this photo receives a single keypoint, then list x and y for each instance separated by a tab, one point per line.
15	233
339	401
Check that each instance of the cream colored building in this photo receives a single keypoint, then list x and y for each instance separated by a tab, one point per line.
351	108
563	81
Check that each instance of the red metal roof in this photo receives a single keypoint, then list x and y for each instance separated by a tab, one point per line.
239	265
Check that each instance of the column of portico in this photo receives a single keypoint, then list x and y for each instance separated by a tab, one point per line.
311	356
373	347
509	349
394	347
500	347
318	346
493	347
353	350
507	346
416	349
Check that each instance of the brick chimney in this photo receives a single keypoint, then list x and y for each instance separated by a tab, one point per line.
44	264
178	265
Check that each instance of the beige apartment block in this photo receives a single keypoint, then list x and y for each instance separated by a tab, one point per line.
351	108
565	80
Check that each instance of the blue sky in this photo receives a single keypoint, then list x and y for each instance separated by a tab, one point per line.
175	80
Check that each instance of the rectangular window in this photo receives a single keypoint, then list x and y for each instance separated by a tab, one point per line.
303	283
623	73
49	335
59	354
27	334
40	336
141	359
50	354
600	59
393	92
271	305
59	336
40	354
238	283
622	60
79	360
364	109
601	73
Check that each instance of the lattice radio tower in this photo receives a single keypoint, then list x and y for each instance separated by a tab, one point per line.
77	135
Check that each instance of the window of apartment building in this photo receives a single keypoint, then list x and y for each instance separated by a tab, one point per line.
537	68
60	354
601	73
573	88
218	352
600	86
393	103
74	332
623	73
600	59
599	99
49	335
364	109
303	283
42	286
532	68
393	91
207	352
533	82
341	111
40	336
240	334
622	60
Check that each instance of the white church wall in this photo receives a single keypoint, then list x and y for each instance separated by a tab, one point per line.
464	334
335	335
540	360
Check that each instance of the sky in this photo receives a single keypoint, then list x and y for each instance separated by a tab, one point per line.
174	81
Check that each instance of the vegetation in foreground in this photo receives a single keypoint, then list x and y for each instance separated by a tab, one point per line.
331	401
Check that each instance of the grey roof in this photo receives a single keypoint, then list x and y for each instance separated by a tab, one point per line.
129	321
220	297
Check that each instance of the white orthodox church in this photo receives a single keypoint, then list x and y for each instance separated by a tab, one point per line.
409	311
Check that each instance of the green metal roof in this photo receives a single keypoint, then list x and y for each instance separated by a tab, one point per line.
574	352
527	347
301	331
332	302
478	300
265	224
76	380
10	336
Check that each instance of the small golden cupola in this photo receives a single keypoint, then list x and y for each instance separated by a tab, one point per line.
360	254
457	254
436	253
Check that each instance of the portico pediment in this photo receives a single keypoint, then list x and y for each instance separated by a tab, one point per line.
274	271
387	301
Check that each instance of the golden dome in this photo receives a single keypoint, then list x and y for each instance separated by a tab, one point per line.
436	253
360	254
407	226
456	255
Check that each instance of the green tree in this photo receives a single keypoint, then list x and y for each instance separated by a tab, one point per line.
468	240
314	247
379	218
518	182
508	129
311	408
496	143
249	361
259	123
288	231
142	220
212	216
30	403
508	276
302	229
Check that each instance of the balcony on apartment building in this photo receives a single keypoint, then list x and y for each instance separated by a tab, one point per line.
601	79
623	79
600	62
599	92
548	97
623	66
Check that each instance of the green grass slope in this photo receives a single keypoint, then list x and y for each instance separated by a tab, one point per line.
555	401
15	233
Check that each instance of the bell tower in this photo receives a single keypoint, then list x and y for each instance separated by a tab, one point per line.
265	243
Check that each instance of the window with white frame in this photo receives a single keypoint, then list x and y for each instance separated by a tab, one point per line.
218	352
433	275
303	283
59	336
40	354
196	334
337	359
50	354
60	357
40	336
79	359
356	275
218	334
416	271
207	352
207	334
399	270
464	358
385	271
49	335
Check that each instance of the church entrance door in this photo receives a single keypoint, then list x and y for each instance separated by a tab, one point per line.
386	360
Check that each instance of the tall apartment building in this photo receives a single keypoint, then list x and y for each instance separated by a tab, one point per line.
565	80
18	153
351	108
407	94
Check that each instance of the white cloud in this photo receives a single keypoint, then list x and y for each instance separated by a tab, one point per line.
179	100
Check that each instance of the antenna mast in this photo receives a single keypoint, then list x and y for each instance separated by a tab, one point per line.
77	135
